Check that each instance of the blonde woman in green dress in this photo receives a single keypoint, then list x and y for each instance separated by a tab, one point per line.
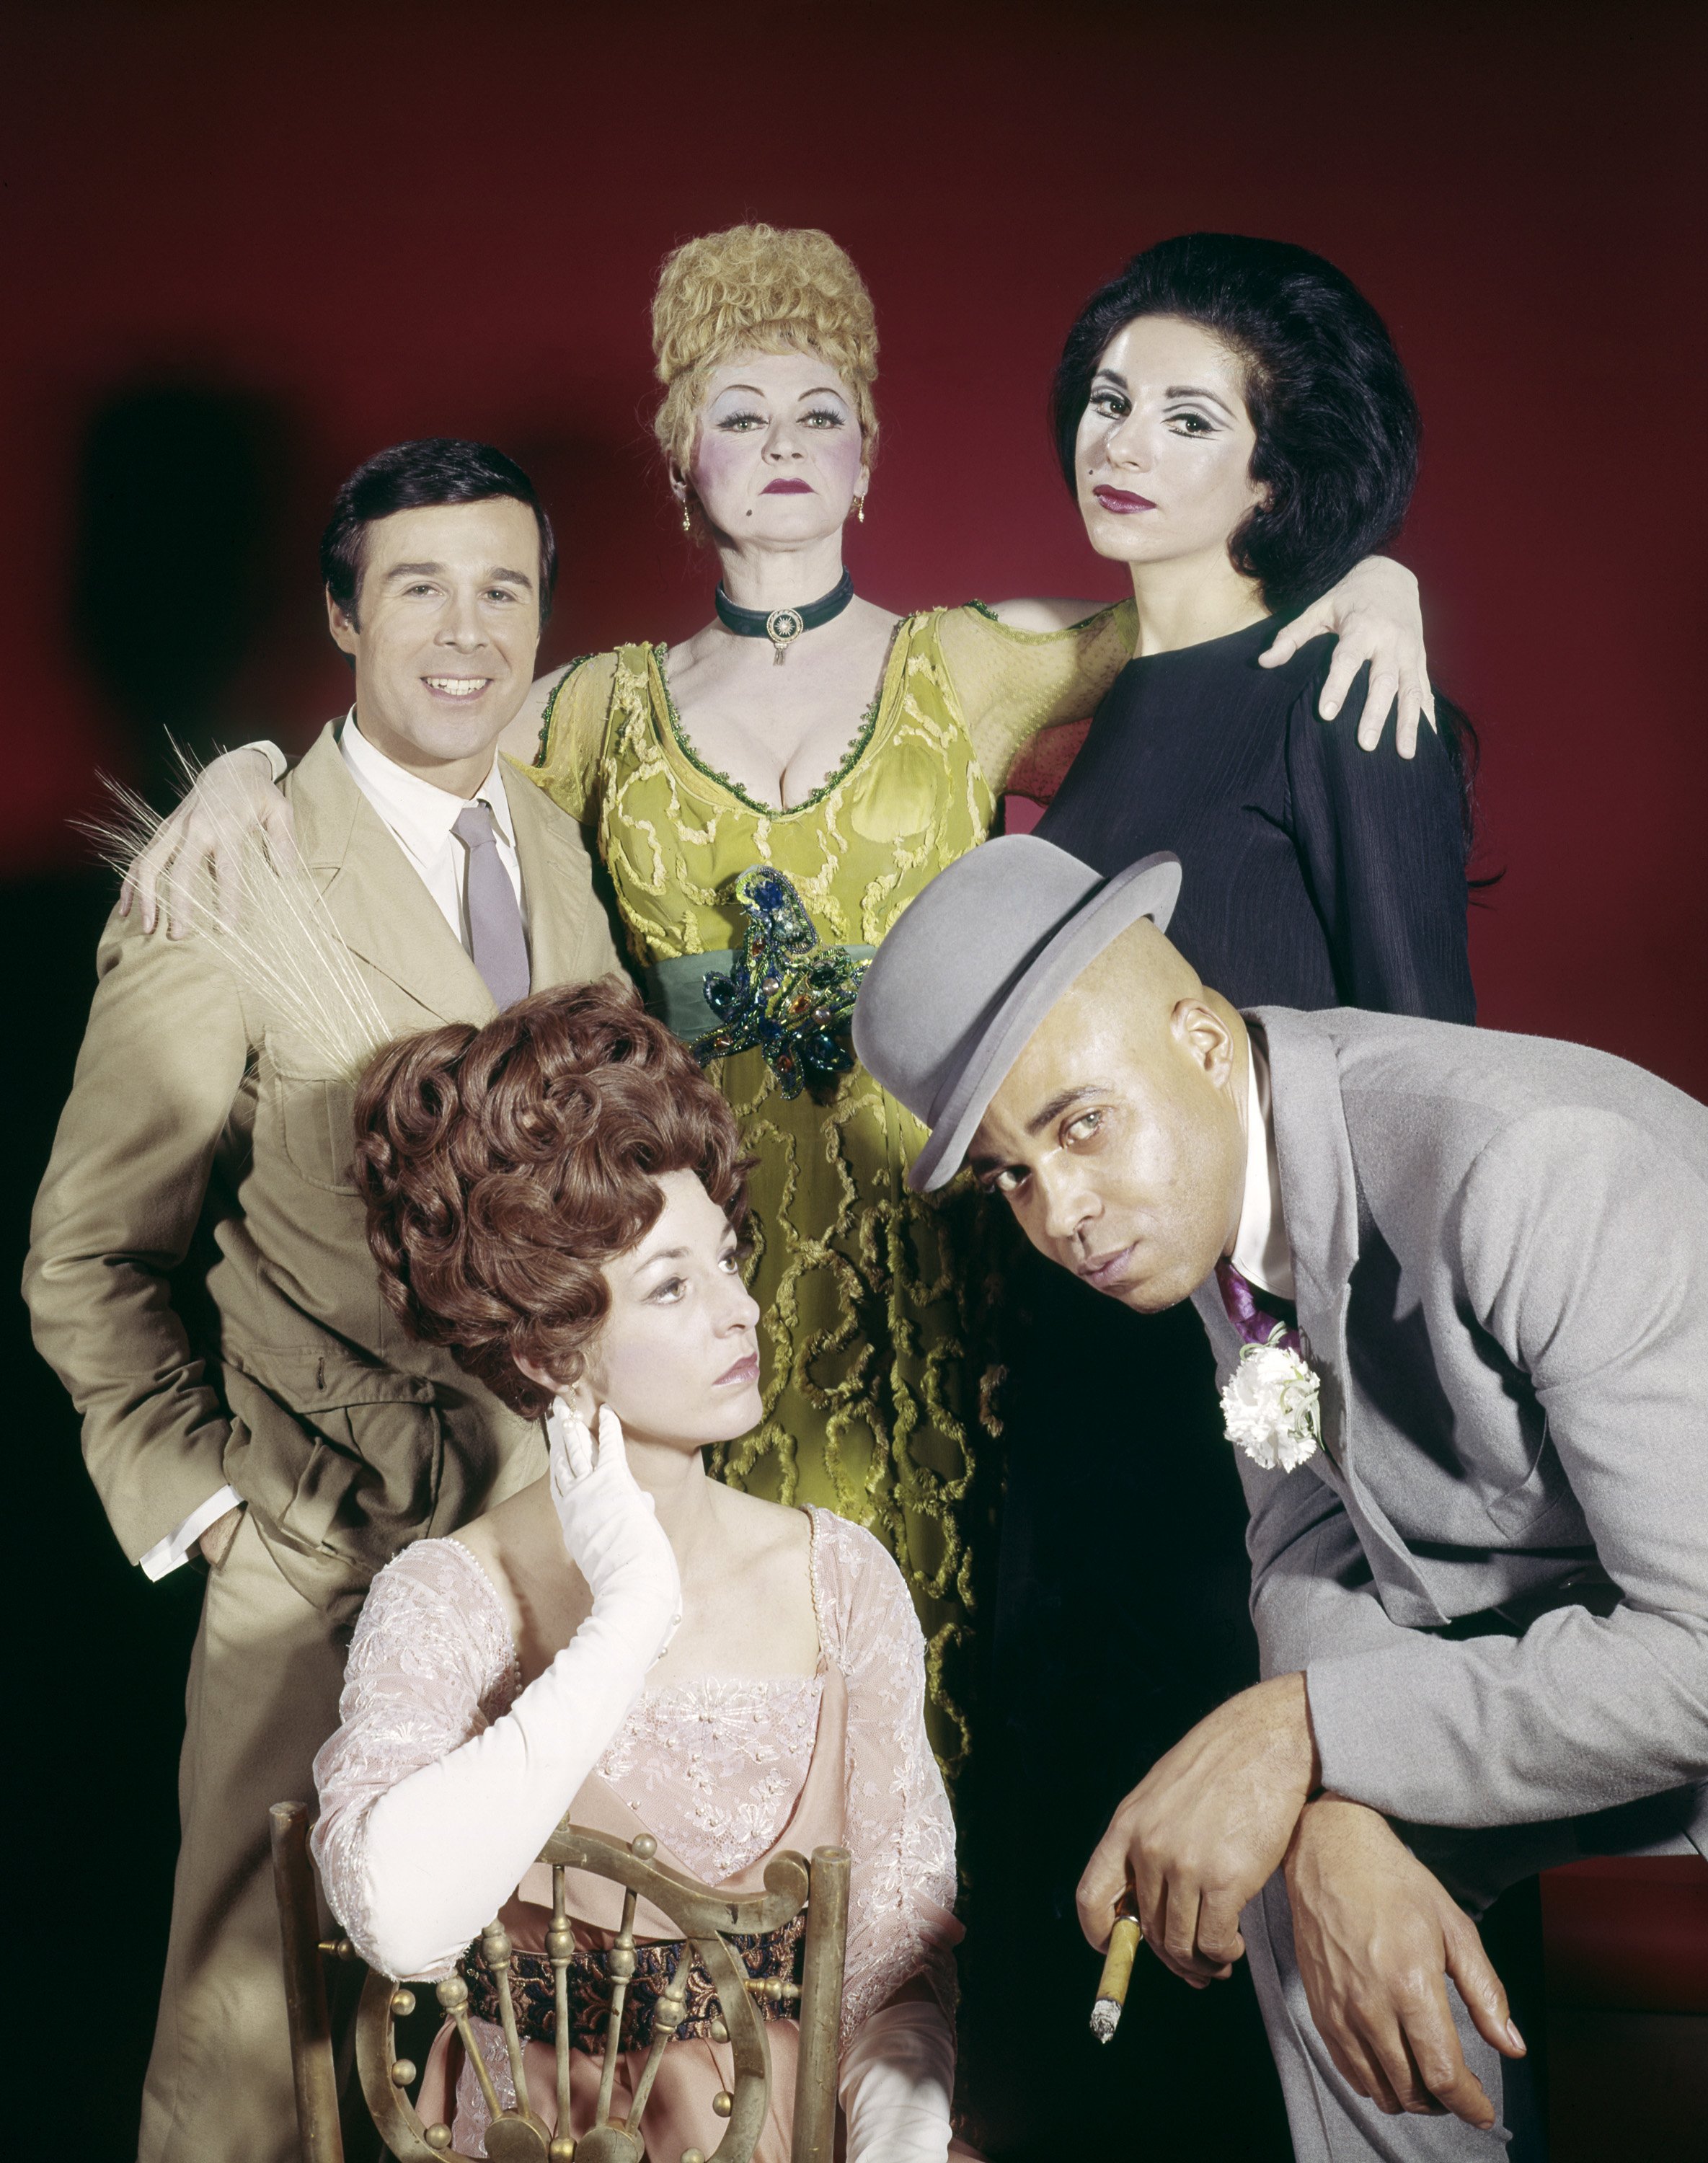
815	734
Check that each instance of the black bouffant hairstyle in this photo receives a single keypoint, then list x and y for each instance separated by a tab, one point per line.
1336	425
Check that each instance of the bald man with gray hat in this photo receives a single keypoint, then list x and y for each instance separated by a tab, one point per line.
1456	1283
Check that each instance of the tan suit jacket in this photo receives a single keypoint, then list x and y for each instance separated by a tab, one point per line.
199	1274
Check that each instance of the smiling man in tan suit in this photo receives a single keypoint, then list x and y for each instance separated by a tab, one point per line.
199	1276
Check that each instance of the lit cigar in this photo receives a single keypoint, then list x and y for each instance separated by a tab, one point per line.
1124	1941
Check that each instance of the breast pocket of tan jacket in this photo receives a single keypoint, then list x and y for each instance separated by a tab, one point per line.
313	1117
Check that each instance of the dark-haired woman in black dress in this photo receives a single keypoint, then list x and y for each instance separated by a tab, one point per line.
1236	428
1234	420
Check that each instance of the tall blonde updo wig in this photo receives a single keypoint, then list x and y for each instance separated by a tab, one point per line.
755	289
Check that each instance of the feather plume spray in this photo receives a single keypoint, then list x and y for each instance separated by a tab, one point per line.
264	919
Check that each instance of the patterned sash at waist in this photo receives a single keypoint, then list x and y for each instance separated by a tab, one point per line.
781	993
767	1956
676	985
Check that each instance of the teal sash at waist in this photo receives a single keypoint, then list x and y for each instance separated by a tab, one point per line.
676	989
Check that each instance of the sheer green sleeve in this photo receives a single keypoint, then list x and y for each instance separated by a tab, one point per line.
572	735
1010	683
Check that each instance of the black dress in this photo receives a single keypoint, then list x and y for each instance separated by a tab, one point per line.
1314	875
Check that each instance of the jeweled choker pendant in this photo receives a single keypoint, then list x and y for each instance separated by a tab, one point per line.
783	626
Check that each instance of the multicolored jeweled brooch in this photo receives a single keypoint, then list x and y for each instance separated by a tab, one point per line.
786	997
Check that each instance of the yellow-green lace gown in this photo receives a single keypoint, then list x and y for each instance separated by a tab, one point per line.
877	1367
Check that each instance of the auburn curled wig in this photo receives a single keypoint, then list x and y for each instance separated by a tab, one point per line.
755	289
504	1166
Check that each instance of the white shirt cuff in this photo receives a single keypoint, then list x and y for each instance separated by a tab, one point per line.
170	1553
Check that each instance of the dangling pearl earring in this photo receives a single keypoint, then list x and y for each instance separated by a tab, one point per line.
687	517
860	509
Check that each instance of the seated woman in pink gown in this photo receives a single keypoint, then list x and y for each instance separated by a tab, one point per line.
556	1197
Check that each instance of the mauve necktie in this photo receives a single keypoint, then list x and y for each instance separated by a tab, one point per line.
1254	1313
500	946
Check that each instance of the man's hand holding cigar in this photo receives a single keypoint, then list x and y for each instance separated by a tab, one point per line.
1205	1829
1374	1933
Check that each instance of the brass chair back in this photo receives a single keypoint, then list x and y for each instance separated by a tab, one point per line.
704	1918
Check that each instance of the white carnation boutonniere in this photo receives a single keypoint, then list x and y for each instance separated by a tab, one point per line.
1271	1406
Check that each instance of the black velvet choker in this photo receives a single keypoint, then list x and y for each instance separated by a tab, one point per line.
783	626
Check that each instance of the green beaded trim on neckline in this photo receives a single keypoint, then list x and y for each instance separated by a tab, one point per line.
1013	630
850	758
552	706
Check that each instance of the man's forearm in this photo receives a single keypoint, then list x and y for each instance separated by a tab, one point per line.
154	1429
162	1062
1582	1713
1483	1731
1200	1834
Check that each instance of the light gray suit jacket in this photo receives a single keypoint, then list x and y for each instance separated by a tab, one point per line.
1494	1572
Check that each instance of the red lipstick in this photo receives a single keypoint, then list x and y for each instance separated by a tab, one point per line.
786	487
1122	501
745	1370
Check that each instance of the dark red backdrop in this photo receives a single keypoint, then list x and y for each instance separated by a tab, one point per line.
330	228
244	248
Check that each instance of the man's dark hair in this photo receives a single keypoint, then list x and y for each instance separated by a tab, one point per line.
415	477
1338	427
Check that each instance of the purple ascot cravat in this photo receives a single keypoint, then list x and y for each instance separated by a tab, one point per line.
1254	1314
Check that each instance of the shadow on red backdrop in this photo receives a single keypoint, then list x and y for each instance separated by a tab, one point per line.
245	248
332	229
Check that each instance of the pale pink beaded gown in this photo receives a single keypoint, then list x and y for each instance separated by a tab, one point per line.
723	1771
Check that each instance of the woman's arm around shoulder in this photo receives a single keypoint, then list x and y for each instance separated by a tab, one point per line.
1022	665
558	738
1376	616
1027	665
233	795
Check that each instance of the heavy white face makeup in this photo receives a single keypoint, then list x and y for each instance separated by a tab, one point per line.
444	634
777	456
678	1357
1163	454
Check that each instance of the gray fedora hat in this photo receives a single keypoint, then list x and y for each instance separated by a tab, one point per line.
971	966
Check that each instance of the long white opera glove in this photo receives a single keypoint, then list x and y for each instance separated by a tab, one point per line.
445	1848
896	2079
610	1530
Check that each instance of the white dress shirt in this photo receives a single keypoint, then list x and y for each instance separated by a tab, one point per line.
1261	1253
420	817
